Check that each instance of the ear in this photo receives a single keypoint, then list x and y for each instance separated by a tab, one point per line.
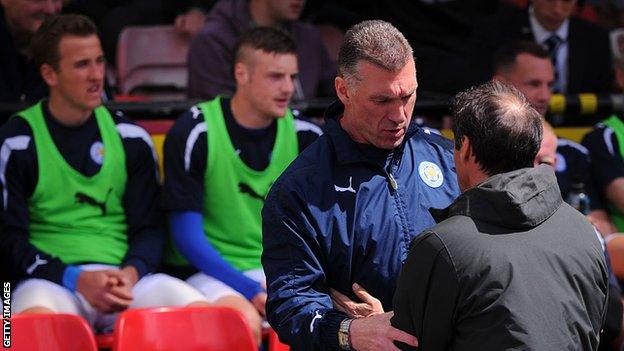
465	151
241	73
48	74
342	90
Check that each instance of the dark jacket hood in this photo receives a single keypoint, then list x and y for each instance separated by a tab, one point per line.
519	199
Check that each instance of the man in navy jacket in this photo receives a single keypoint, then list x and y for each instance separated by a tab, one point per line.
338	223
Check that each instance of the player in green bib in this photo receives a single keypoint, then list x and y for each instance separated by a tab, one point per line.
221	158
80	193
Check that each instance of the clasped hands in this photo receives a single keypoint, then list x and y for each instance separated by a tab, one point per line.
370	329
108	290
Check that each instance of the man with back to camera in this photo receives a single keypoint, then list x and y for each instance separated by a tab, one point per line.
509	265
221	158
341	217
80	193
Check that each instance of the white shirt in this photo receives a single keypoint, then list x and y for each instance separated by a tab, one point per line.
541	34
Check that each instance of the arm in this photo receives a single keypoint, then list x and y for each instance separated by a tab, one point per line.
18	179
188	235
299	307
146	236
420	308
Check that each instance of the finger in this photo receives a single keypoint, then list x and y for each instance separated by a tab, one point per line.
121	292
362	294
399	335
335	294
116	303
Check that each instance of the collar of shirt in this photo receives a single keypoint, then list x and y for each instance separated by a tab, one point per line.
541	34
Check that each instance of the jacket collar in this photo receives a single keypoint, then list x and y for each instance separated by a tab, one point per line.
519	199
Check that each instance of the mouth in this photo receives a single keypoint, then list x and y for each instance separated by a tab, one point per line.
94	89
282	102
395	133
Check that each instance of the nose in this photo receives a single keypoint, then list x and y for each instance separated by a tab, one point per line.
398	112
288	85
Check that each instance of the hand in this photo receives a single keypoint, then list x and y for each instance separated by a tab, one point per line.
259	302
101	290
190	22
130	276
375	333
369	305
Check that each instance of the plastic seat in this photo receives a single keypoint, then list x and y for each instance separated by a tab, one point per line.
174	328
274	343
51	332
152	60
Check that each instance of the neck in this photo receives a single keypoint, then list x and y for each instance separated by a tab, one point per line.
66	114
345	123
247	116
261	15
476	178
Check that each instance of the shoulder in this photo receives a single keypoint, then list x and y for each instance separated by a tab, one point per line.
567	146
435	139
188	123
599	137
306	172
303	125
128	129
15	134
591	32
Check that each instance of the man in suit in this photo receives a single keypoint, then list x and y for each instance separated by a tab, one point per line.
579	50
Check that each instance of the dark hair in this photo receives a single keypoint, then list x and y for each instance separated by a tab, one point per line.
375	41
45	42
505	131
505	57
267	39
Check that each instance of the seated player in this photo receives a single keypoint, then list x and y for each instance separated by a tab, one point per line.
80	193
221	158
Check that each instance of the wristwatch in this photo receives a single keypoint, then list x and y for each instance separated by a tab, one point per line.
344	340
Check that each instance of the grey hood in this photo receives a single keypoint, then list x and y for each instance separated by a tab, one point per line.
519	199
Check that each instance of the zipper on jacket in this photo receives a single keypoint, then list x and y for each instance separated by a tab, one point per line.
393	182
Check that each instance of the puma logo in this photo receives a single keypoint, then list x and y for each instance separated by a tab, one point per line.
246	189
38	262
82	198
317	315
347	189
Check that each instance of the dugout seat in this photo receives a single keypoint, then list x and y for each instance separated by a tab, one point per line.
274	343
151	60
175	328
51	332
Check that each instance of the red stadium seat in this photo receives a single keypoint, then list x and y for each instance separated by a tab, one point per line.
175	328
51	332
274	343
152	60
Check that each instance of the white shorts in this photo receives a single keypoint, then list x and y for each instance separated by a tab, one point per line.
150	291
214	289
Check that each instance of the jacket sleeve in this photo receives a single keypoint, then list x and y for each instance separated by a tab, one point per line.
19	259
427	290
146	228
299	307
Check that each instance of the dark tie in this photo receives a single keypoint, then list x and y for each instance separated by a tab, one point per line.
553	43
